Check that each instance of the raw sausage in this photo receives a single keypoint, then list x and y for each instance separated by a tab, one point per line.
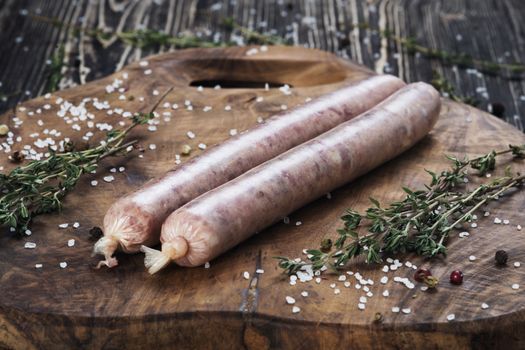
221	218
135	219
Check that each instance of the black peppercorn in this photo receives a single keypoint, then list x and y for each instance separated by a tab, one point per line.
501	257
95	233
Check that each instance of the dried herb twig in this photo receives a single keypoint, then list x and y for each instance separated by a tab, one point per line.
420	223
39	186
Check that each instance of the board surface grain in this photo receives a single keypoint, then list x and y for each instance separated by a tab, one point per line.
209	308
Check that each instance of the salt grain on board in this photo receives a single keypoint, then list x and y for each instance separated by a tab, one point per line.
30	245
94	183
290	300
517	264
361	306
38	266
152	146
386	293
497	220
484	306
64	225
472	258
109	178
71	243
259	271
296	309
206	265
451	317
246	275
515	286
63	264
395	309
406	310
304	293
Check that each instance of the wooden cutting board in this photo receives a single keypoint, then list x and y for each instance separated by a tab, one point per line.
198	308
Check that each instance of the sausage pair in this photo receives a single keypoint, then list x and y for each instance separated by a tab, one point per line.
228	214
136	219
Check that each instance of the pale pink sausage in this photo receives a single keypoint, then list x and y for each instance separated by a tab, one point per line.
223	217
135	219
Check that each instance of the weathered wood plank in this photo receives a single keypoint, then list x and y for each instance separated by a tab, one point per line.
490	30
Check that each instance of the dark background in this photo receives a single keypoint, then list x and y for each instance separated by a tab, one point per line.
492	30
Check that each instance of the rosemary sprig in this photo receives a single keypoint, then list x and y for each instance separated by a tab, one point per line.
420	223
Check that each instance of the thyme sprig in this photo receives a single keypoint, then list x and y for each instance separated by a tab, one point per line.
420	223
39	186
445	87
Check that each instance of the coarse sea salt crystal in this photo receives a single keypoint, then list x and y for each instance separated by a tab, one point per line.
473	225
386	293
94	183
332	285
109	178
190	134
227	108
497	220
296	309
233	132
342	278
202	146
290	300
463	234
71	243
451	317
246	275
152	146
298	223
395	309
515	286
384	279
259	271
406	310
121	169
318	280
148	72
347	284
30	245
64	225
506	222
385	268
517	264
337	291
518	227
472	258
63	264
38	266
207	265
484	306
362	300
304	293
361	306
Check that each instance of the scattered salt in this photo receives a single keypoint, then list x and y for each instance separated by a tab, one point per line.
207	265
259	271
386	293
38	266
246	275
202	146
109	178
233	132
484	306
497	220
64	225
290	300
71	243
406	310
395	309
63	264
517	264
298	223
94	183
361	306
451	317
516	286
30	245
337	291
384	279
152	146
296	309
506	222
190	135
472	258
304	293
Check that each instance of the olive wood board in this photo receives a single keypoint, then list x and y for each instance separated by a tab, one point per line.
216	307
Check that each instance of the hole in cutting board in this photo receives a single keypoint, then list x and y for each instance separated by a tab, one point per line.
236	84
249	73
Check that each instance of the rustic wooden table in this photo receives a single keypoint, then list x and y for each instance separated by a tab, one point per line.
487	30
